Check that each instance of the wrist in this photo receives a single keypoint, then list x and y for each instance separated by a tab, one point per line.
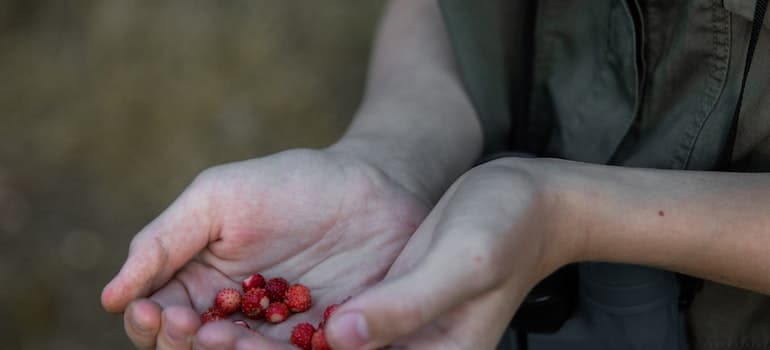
417	166
565	187
594	205
559	192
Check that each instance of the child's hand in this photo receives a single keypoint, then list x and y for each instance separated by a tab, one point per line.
328	221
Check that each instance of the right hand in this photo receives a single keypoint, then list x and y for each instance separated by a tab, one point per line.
324	219
501	228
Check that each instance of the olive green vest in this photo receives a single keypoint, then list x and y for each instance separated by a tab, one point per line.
643	83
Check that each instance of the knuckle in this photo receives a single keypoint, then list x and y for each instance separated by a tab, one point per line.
203	186
206	177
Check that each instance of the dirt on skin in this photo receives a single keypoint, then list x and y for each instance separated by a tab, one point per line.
109	108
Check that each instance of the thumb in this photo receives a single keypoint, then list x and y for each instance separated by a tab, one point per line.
161	248
449	275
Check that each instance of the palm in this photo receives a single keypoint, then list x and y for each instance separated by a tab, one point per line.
327	222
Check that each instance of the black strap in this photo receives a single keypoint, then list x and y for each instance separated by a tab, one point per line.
759	18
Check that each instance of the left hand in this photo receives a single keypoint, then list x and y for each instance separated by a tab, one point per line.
463	274
323	218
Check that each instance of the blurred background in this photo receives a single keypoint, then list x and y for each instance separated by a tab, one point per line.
109	108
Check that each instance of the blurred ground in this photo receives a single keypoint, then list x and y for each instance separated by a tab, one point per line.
109	108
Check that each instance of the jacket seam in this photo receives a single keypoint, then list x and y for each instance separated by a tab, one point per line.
714	96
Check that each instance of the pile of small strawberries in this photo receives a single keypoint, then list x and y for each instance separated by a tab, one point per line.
274	301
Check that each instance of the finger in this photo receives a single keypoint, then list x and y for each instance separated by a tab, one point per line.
178	328
401	306
258	342
481	323
226	335
145	318
406	303
477	324
172	294
217	335
196	284
142	321
457	266
161	248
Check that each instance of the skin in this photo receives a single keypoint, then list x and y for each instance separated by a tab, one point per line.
527	217
342	221
332	219
314	217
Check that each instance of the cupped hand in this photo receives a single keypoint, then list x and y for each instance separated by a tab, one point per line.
459	280
323	219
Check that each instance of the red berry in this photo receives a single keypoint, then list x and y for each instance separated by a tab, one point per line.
254	281
254	303
329	311
276	312
302	336
242	323
211	315
227	301
319	341
298	298
276	288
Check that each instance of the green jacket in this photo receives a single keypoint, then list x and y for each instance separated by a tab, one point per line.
643	83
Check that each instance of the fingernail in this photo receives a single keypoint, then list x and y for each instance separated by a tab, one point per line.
351	330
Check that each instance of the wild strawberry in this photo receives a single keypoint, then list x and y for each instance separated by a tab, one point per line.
254	303
254	281
227	301
319	341
298	298
302	335
242	323
329	311
276	288
276	312
211	315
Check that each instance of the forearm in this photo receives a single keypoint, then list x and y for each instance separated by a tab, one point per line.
416	122
707	224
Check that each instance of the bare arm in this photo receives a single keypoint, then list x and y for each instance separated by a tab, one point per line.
417	119
505	225
311	214
415	122
708	224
